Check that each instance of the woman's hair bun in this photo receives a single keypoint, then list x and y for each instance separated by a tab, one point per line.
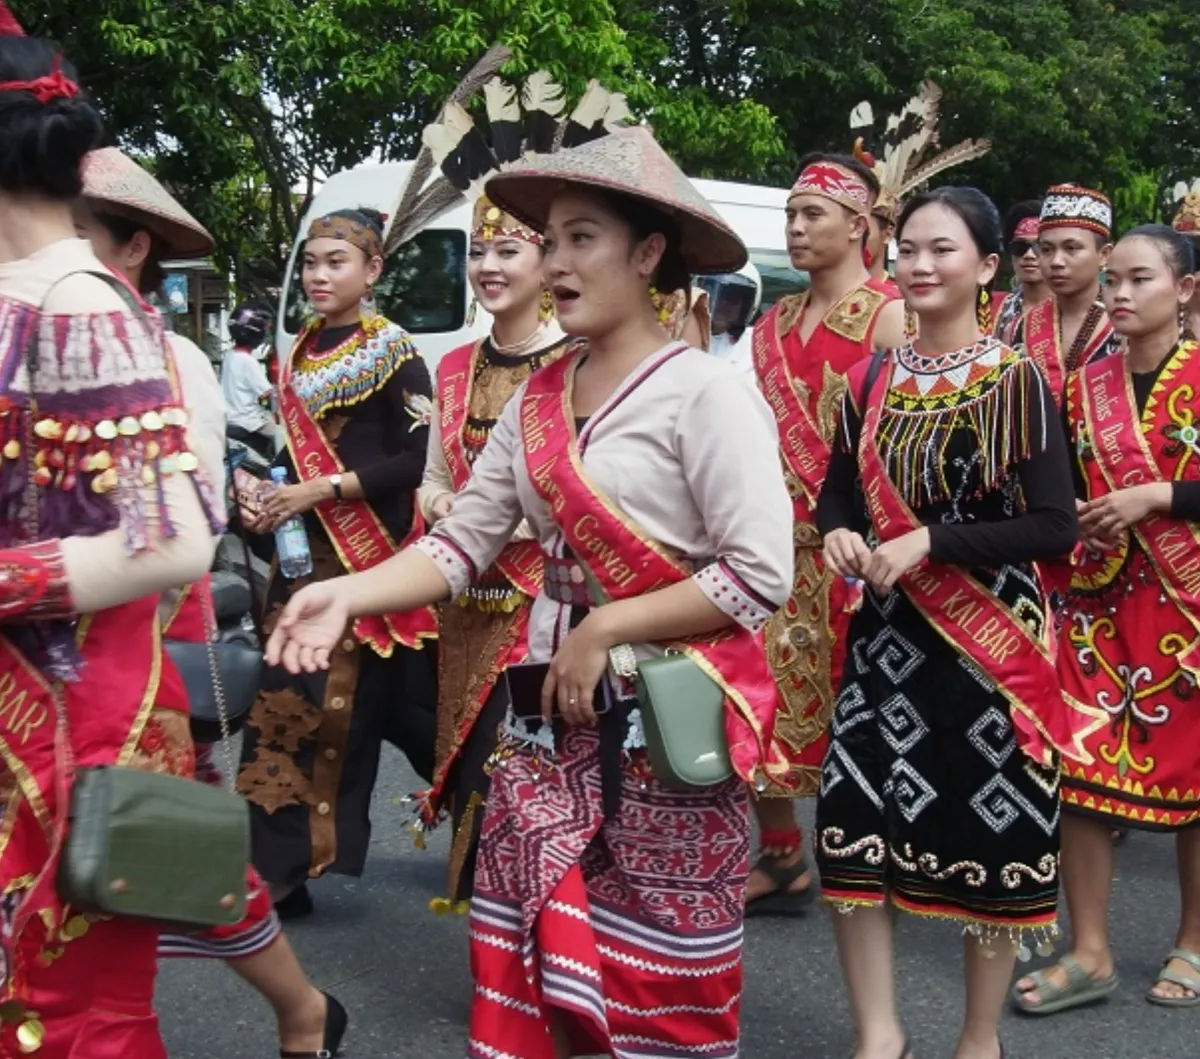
42	145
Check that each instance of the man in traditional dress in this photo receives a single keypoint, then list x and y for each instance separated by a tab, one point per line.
1070	328
802	350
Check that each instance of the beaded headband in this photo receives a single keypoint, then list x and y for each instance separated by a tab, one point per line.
490	222
337	226
1072	206
832	181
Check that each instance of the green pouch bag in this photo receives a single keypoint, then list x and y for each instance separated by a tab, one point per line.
683	715
150	846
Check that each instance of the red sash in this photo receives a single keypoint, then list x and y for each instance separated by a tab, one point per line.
40	744
1124	459
626	562
839	341
357	534
520	561
1043	343
968	616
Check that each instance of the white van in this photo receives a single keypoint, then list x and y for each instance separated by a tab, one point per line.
424	284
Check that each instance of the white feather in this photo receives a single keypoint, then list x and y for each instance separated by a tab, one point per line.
862	116
1180	192
543	93
443	137
502	102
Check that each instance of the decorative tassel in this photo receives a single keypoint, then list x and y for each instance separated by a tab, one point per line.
915	445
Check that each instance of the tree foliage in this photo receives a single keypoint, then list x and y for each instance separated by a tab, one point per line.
242	106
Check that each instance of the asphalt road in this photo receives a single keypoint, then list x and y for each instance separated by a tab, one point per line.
402	971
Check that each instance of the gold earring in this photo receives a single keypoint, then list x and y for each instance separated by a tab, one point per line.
910	323
546	307
661	309
983	312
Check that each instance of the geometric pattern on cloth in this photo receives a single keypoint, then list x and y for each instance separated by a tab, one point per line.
999	804
991	735
629	929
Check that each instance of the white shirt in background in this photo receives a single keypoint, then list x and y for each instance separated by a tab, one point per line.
244	383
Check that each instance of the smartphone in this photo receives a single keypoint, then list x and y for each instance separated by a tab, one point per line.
524	683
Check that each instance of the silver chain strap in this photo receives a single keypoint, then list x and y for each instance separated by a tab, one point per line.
210	635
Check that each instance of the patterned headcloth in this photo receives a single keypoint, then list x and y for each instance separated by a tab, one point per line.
1028	229
836	182
350	227
1073	206
489	222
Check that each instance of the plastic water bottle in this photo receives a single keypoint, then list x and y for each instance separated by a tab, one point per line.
291	540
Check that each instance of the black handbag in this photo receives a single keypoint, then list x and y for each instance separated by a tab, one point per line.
206	668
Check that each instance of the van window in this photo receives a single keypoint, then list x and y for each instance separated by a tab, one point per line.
423	287
778	276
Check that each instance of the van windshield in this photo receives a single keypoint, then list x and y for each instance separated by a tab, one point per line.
423	287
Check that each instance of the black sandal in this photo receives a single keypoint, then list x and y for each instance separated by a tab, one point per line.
782	901
336	1021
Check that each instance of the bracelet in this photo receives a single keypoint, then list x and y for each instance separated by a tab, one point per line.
623	661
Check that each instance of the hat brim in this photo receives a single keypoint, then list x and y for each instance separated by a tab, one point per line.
706	244
180	240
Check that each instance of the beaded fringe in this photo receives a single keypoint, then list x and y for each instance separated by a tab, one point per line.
915	446
987	933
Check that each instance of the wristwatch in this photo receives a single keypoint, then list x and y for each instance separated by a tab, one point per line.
335	480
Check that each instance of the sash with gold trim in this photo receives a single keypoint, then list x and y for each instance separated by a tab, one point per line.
804	443
41	741
974	621
357	534
1123	459
520	561
626	562
1043	343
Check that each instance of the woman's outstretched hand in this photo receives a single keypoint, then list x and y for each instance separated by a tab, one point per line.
309	627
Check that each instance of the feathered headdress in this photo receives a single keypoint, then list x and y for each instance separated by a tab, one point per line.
896	159
420	205
1187	214
518	129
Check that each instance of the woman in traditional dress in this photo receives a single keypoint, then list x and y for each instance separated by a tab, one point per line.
98	516
1130	627
355	402
648	473
133	224
938	791
484	630
1021	241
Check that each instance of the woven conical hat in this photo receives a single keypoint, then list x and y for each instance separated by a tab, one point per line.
629	161
118	184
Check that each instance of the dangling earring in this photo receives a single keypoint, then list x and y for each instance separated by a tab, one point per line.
471	312
910	323
984	311
308	313
546	307
366	307
661	309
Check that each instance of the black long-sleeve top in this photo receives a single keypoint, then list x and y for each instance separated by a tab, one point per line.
1000	527
381	439
1185	496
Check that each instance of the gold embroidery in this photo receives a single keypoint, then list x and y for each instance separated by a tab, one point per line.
853	316
833	385
165	745
799	642
791	308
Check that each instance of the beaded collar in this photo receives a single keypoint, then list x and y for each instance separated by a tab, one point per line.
351	371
